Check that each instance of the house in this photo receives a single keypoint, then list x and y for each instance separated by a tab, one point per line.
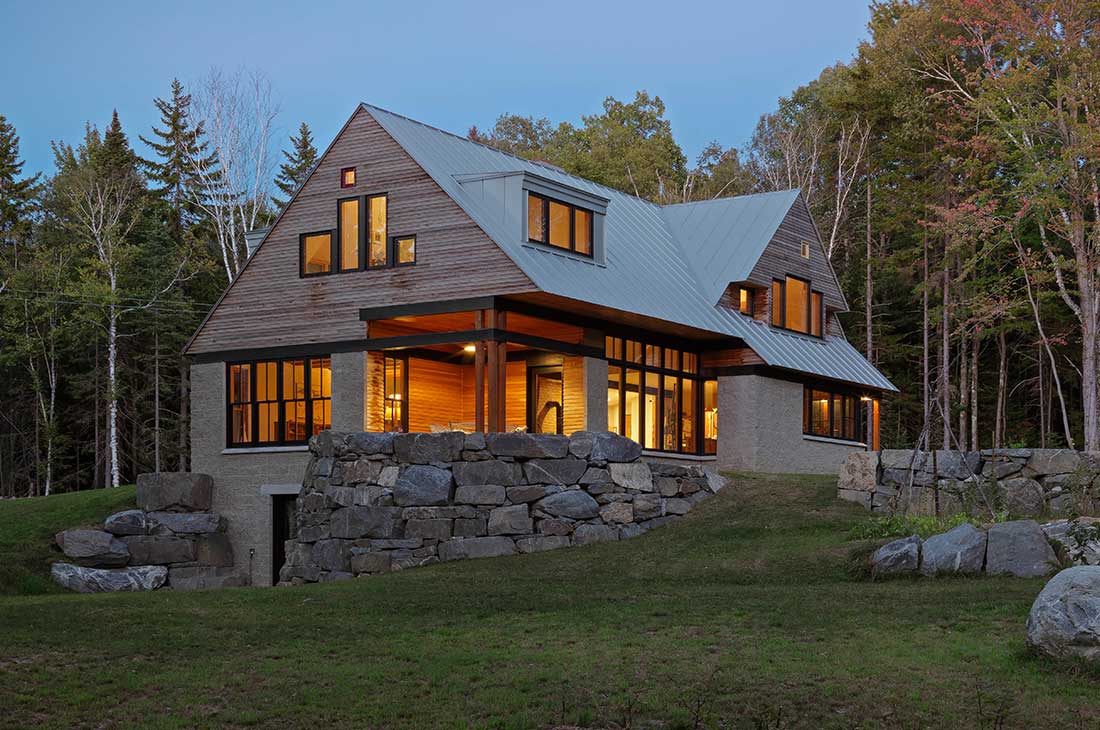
419	281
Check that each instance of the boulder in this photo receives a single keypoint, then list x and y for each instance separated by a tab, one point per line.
432	529
959	550
512	520
93	547
98	580
554	471
1053	461
332	555
618	513
362	471
188	523
127	522
1023	496
1065	618
1079	539
635	476
677	506
370	496
159	549
525	493
859	472
473	527
897	557
214	549
647	506
1018	548
574	503
715	481
368	562
174	492
426	448
504	473
527	445
480	494
541	543
423	485
191	578
587	533
476	547
555	528
1001	469
374	442
474	442
603	446
595	475
458	511
351	523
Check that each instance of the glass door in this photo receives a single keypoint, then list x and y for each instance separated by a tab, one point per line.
545	400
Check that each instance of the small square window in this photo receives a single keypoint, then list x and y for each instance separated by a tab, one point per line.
404	250
347	177
805	251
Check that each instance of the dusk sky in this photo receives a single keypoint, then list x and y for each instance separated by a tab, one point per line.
717	65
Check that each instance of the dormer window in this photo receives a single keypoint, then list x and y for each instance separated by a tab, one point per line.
561	225
796	307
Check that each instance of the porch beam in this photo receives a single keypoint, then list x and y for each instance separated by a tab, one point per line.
448	306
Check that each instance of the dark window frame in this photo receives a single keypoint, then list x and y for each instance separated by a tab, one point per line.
333	253
254	404
404	358
392	255
750	310
354	174
572	225
340	234
810	291
845	395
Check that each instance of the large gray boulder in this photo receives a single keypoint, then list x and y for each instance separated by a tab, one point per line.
483	493
504	473
98	580
351	523
425	448
1019	548
1023	496
554	471
1053	461
587	534
332	555
476	547
127	522
93	547
1079	538
575	504
423	485
859	472
1065	618
187	523
159	549
527	445
603	446
635	476
511	520
897	557
373	442
959	550
174	492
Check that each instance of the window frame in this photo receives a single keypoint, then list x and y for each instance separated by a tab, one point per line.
782	310
836	395
333	253
354	177
340	233
404	359
547	200
253	403
392	255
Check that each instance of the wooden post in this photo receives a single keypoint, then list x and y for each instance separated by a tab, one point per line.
502	376
479	376
494	378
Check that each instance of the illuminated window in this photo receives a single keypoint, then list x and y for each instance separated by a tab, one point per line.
804	249
376	256
816	312
394	394
559	224
745	303
404	250
316	251
278	402
777	303
348	227
710	416
795	307
838	415
347	177
614	397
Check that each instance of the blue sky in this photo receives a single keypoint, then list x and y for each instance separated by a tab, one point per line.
717	65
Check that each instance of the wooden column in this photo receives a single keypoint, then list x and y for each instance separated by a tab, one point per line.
496	387
502	375
479	376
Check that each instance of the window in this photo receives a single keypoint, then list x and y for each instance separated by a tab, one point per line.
804	249
348	227
395	390
316	253
795	307
559	224
377	226
404	250
347	177
838	415
745	303
710	416
654	394
278	402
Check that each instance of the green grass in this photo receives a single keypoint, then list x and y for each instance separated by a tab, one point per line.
747	613
27	527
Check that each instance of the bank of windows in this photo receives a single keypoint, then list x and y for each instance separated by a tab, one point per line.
360	241
795	306
395	393
278	402
561	225
656	397
839	415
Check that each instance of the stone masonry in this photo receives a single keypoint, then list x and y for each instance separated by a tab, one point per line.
377	502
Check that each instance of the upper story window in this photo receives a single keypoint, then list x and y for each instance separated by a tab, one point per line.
795	306
278	402
347	177
360	241
745	301
558	224
316	253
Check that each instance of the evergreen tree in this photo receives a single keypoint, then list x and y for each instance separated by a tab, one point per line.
16	196
115	157
299	161
176	143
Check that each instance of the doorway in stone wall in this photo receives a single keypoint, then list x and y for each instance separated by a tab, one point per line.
284	522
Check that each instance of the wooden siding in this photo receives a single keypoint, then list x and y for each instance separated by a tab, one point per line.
436	395
269	305
783	256
573	395
730	358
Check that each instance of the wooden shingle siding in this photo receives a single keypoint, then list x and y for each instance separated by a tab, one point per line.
783	256
270	305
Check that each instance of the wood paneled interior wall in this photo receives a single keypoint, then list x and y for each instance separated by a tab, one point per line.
372	400
573	393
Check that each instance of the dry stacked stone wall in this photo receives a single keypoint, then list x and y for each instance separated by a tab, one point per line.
1021	482
376	502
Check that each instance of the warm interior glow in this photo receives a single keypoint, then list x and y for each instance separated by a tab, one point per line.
536	208
377	242
798	305
582	227
349	235
347	177
470	348
559	225
746	301
317	253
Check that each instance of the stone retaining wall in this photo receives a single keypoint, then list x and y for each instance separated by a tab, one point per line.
172	540
375	502
1023	482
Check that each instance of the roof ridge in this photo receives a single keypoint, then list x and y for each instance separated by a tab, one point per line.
728	198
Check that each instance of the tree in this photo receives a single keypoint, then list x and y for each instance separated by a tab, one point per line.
299	161
17	197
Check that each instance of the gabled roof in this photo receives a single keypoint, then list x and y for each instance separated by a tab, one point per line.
666	262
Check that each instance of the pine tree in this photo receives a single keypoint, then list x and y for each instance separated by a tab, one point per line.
299	161
176	145
16	196
116	157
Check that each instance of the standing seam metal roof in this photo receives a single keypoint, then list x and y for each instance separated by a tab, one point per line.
667	262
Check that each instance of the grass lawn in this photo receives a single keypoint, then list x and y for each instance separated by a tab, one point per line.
744	614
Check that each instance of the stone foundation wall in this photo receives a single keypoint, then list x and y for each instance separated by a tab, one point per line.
375	502
1022	482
